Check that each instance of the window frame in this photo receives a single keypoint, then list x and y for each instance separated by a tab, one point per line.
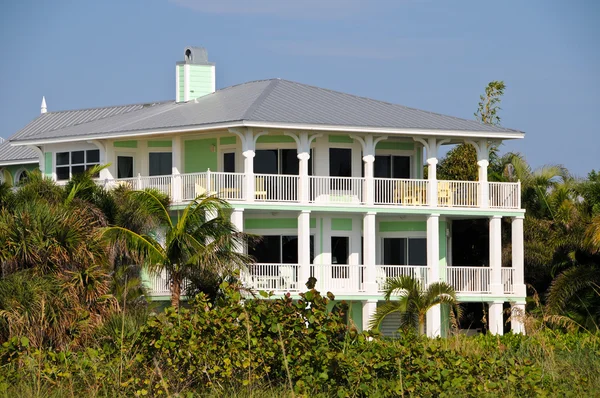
86	165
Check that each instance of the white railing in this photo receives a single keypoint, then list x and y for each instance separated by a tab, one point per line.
159	285
458	193
338	278
228	186
508	279
469	279
505	195
276	187
405	192
338	190
272	277
384	272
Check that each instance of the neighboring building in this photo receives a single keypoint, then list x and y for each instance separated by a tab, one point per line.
333	182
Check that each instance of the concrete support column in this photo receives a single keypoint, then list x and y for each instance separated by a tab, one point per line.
304	246
369	179
517	316
484	186
369	253
237	219
177	168
249	174
518	257
433	266
495	233
368	310
432	161
303	180
495	318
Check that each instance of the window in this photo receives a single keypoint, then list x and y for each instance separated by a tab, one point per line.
161	163
340	162
392	166
124	166
72	163
340	253
229	162
278	249
278	161
405	251
21	176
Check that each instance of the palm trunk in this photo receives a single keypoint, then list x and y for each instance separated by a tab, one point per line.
421	325
175	291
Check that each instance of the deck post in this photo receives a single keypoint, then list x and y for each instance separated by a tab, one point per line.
176	191
518	257
369	253
495	232
368	310
303	247
433	265
495	318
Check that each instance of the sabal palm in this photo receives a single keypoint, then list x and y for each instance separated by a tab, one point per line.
414	300
201	238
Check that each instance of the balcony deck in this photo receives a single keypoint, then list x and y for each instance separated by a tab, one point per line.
320	190
348	279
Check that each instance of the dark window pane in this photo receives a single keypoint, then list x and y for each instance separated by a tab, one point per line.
161	163
268	250
340	162
62	173
401	167
229	162
265	161
77	170
289	253
382	167
92	156
312	249
417	251
77	157
310	163
290	162
124	166
339	249
23	176
394	251
62	158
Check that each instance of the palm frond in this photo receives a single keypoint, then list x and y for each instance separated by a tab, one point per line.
383	311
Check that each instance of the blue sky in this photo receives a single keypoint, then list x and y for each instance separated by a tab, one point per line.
435	55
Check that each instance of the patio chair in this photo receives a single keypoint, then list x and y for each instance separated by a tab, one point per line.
260	191
286	273
444	194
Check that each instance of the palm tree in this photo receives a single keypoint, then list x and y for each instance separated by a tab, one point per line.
197	241
413	302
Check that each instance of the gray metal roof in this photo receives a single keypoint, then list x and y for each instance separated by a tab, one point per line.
265	101
16	154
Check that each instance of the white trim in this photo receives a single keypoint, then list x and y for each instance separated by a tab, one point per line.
177	99
291	126
16	162
18	174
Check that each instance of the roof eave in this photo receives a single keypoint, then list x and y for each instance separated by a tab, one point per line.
17	162
503	135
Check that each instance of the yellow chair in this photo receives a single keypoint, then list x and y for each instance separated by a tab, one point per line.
414	196
444	194
260	191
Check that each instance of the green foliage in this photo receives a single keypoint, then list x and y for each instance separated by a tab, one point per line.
459	164
260	347
489	103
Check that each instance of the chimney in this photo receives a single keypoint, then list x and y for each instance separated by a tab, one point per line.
195	76
43	108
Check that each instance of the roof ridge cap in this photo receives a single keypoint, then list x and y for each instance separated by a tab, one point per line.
108	106
261	98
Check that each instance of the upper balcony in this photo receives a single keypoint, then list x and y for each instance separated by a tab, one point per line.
323	190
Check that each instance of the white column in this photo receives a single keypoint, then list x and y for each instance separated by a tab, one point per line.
369	179
304	247
495	233
304	184
369	252
495	318
249	174
433	266
517	316
518	257
482	164
368	310
237	219
432	161
177	168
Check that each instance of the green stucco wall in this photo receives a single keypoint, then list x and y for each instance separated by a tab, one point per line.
181	84
228	140
341	224
356	314
397	146
198	155
402	226
270	223
201	80
125	144
48	163
274	139
160	144
9	172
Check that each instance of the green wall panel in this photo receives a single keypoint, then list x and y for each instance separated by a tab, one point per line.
341	139
160	144
228	140
271	223
313	223
274	139
201	80
125	144
198	155
48	163
402	226
341	224
398	146
355	309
